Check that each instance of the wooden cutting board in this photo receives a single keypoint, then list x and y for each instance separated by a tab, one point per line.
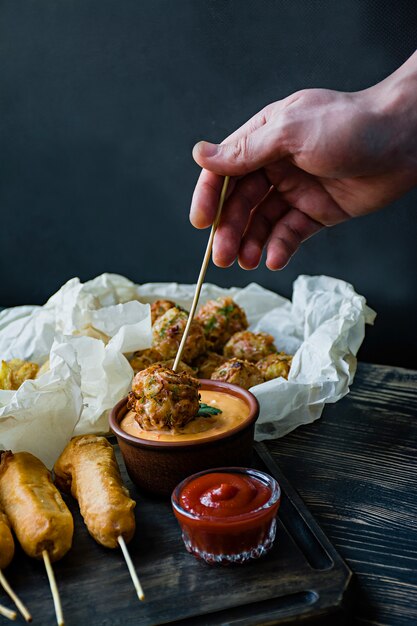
302	577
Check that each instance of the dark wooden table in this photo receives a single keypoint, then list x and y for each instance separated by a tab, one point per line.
356	469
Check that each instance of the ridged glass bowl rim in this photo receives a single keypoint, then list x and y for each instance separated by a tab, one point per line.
263	477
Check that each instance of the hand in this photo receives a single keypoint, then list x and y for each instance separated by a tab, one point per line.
312	160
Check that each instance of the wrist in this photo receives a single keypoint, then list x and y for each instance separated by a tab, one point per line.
394	102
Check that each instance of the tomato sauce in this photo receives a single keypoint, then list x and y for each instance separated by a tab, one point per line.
227	516
223	495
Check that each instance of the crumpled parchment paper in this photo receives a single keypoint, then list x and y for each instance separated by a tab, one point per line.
323	327
85	330
41	415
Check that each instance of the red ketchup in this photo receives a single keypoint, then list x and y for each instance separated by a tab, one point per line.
227	515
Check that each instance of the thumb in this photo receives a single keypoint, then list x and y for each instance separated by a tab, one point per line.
239	156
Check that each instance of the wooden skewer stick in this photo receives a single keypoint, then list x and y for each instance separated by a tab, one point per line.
202	274
7	612
54	589
131	568
3	582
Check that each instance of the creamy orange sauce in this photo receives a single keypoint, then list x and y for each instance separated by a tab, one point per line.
234	412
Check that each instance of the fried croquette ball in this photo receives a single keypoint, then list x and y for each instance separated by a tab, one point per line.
168	330
159	307
144	358
163	399
221	319
238	372
13	373
249	346
182	367
207	363
275	365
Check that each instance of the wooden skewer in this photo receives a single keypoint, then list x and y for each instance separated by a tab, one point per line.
131	568
7	612
202	274
54	589
3	582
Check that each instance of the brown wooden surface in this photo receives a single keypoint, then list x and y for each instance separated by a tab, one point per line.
356	469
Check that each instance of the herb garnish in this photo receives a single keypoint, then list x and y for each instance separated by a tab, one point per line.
227	309
210	324
206	410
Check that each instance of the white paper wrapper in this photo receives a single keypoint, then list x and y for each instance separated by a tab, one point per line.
41	415
107	304
86	328
105	378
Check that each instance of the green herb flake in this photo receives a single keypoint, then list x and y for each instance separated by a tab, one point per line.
226	310
206	410
210	324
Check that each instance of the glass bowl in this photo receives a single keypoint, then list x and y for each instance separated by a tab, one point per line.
228	514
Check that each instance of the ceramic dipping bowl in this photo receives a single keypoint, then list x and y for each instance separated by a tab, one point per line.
158	466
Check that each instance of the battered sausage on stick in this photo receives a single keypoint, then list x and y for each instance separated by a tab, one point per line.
6	556
38	515
88	469
6	542
35	508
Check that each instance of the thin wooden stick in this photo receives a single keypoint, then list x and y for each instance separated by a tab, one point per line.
54	589
3	582
7	612
202	274
131	568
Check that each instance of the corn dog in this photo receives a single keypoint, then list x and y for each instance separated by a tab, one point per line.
88	469
6	542
6	556
35	508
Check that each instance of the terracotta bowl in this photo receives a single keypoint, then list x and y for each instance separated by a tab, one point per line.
158	466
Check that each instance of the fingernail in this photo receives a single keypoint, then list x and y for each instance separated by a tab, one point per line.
205	149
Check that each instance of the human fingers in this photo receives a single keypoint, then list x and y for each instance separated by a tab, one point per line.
207	191
240	156
205	199
256	121
248	192
287	235
258	231
306	192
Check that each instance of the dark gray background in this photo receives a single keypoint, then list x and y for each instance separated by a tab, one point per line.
101	102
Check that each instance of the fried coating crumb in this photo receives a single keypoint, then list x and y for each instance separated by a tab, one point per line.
275	365
168	330
142	359
220	319
13	373
159	307
182	367
238	372
207	363
249	346
163	399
